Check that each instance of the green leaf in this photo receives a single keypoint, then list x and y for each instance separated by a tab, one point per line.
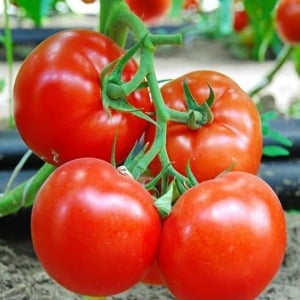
259	9
268	116
36	9
277	136
273	151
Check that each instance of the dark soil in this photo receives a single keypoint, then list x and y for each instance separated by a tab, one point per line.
22	278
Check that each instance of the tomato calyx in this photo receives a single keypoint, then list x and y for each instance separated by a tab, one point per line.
199	114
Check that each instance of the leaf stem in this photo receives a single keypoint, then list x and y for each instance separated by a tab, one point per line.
24	194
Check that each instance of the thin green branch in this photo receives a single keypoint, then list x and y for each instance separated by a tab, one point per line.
282	57
24	194
17	170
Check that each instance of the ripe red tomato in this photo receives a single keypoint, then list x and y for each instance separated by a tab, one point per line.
153	276
224	239
287	20
234	138
149	10
95	231
240	20
57	100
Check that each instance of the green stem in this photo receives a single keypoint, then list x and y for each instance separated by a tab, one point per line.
9	57
23	195
116	19
17	170
282	57
163	115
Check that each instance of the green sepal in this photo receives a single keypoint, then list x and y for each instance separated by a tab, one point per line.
164	203
123	106
192	180
199	114
134	157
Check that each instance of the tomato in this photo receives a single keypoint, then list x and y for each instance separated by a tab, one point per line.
191	4
240	20
57	102
88	1
94	230
224	239
153	276
232	140
287	20
150	11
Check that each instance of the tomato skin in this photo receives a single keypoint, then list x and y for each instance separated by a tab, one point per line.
153	276
57	103
234	138
95	231
287	20
224	239
240	20
150	11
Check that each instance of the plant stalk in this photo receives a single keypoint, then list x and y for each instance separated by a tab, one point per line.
282	57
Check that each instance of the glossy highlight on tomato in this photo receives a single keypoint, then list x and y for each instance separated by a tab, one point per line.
233	140
94	230
224	239
58	104
287	20
150	11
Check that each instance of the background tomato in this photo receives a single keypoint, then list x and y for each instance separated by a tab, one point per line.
191	4
57	100
233	139
287	20
240	20
94	230
224	239
150	11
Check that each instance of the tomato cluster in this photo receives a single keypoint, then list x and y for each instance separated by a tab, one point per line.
97	230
